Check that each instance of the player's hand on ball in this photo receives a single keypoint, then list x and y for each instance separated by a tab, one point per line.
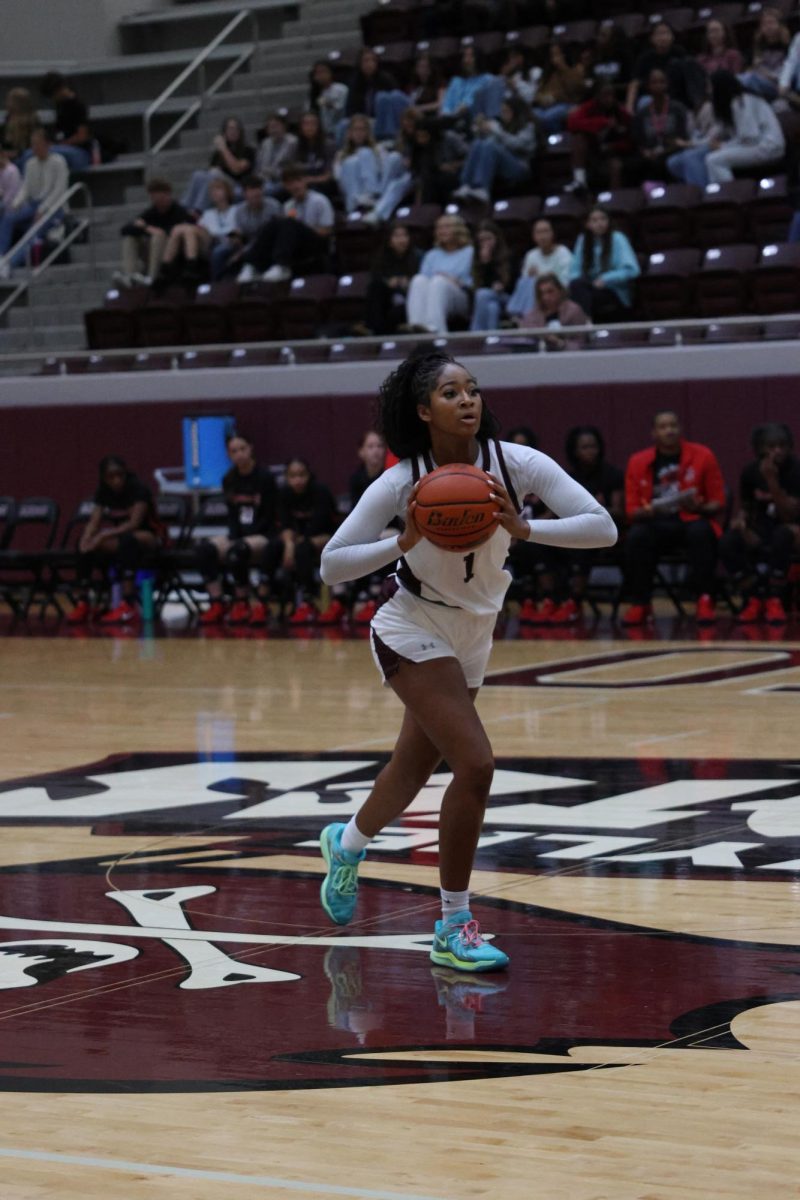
505	512
411	534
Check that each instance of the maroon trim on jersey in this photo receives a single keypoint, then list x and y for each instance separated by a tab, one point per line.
388	658
506	477
408	578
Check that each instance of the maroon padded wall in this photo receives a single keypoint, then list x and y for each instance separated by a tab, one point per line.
54	450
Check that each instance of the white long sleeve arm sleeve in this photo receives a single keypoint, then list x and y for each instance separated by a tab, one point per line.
357	547
581	523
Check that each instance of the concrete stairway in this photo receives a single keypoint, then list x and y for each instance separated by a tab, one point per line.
50	318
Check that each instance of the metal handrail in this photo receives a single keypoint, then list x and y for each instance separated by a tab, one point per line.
198	64
30	235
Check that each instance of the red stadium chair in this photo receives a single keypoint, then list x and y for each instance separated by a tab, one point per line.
665	291
721	217
775	282
665	222
720	286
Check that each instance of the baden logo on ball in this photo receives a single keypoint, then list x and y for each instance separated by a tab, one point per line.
455	509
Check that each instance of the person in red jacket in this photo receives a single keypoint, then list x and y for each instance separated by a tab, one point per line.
601	138
674	498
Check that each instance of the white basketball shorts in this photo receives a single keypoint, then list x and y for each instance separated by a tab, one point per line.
412	630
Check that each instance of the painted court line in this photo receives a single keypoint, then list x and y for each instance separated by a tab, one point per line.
264	1181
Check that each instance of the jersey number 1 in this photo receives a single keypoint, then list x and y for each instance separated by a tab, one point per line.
469	563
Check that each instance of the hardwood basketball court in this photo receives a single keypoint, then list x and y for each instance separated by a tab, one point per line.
180	1021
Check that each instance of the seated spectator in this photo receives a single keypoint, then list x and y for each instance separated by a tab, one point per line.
601	139
719	49
72	136
441	290
789	81
122	530
364	592
21	119
392	272
374	92
231	157
604	266
491	277
561	87
674	498
45	180
660	128
664	53
300	237
473	92
502	149
554	310
249	216
757	548
585	452
548	257
609	58
436	161
327	98
145	238
770	51
754	136
275	152
519	80
307	518
250	494
369	176
314	154
189	245
10	179
426	89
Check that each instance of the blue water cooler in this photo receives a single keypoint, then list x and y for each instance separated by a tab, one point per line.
205	458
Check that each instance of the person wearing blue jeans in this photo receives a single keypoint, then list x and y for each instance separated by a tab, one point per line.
502	148
78	158
473	92
369	177
389	108
491	277
690	165
45	180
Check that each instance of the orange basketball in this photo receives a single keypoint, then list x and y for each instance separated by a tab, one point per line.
454	507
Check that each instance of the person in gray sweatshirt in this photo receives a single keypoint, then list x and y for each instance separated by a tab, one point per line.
45	180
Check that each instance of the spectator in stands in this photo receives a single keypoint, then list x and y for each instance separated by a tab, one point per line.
45	179
10	179
660	129
518	79
473	92
604	266
547	257
314	154
372	463
426	89
441	290
757	548
392	272
770	50
307	518
754	136
522	435
561	87
491	277
369	176
789	81
601	139
663	53
368	83
122	530
502	148
609	57
300	237
554	309
72	135
21	120
250	494
719	49
275	152
231	157
436	161
674	498
327	97
189	245
249	216
145	238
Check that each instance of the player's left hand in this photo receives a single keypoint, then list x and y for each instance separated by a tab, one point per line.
506	514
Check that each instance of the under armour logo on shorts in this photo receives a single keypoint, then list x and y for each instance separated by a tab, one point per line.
427	646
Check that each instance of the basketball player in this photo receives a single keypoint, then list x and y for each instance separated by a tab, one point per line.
432	639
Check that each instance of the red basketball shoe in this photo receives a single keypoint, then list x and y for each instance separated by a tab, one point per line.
304	614
751	612
123	614
333	614
81	614
543	615
259	613
774	612
528	613
240	613
566	613
363	613
706	611
213	615
637	614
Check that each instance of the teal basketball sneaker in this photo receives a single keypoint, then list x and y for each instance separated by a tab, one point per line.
339	890
457	943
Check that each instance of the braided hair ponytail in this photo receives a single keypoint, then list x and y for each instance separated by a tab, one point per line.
403	390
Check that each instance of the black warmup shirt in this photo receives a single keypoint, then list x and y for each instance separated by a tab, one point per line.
251	502
308	513
755	496
602	481
117	506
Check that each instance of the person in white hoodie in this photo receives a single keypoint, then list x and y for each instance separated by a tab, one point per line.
46	178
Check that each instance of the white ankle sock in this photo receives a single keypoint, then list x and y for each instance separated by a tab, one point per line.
353	840
453	902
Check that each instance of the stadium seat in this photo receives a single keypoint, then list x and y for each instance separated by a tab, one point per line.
392	350
127	298
771	212
255	319
352	351
664	291
223	291
515	217
775	281
534	40
633	25
205	323
357	242
342	62
720	219
420	220
720	286
307	305
159	325
470	209
567	214
574	33
624	204
99	364
554	162
665	221
782	330
490	46
718	334
680	19
110	328
396	57
263	356
146	361
615	339
200	360
389	22
445	52
350	300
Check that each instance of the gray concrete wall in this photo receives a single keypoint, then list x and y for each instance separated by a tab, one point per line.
58	31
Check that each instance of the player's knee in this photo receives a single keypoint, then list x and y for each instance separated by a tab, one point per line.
476	774
239	554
